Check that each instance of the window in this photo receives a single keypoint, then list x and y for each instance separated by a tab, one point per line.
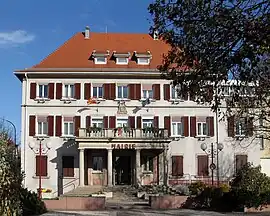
100	60
68	126
148	163
97	122
241	160
122	92
201	128
177	165
98	92
203	167
148	94
143	61
41	166
43	91
68	166
147	123
122	61
177	129
122	123
97	163
175	93
69	91
240	127
42	125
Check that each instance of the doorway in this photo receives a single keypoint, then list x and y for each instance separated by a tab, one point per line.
123	170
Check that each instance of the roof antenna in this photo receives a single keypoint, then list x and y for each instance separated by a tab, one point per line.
106	29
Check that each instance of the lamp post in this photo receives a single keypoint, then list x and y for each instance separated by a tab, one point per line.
212	152
40	167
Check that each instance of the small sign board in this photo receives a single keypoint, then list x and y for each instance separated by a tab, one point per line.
123	146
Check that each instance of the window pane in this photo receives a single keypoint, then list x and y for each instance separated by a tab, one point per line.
72	91
45	91
95	92
144	93
40	87
66	128
150	93
119	91
204	129
179	129
173	93
39	127
66	91
100	92
100	60
173	128
122	60
45	128
151	164
199	129
125	92
71	128
97	163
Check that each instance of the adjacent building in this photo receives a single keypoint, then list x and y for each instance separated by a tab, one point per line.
101	114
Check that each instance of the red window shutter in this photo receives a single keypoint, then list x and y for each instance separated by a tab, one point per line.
58	90
177	165
156	122
88	121
77	125
41	165
167	124
58	126
131	91
112	95
185	124
230	123
50	125
106	93
210	125
51	91
112	122
193	124
156	91
139	122
32	125
105	122
203	166
78	91
87	91
33	90
166	92
249	127
138	92
131	121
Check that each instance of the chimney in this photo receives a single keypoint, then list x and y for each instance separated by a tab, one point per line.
155	35
87	32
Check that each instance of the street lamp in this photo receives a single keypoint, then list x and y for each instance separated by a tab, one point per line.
212	152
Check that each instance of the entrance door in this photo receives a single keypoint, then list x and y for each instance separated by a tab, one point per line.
123	170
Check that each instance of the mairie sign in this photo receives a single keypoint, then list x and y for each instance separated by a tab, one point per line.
123	146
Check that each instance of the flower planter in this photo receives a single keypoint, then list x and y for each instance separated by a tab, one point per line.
47	195
167	201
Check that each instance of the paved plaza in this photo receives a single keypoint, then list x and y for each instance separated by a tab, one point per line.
149	212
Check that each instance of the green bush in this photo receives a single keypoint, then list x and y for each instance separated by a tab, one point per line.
31	204
196	188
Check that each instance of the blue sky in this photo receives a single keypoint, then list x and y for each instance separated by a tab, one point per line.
31	29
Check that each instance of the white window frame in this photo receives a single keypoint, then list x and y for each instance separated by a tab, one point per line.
97	121
122	62
98	96
140	62
121	86
122	122
201	128
147	94
148	123
42	85
96	59
63	130
240	129
172	129
44	126
69	90
176	96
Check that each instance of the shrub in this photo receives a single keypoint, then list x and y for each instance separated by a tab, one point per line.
196	187
31	204
182	190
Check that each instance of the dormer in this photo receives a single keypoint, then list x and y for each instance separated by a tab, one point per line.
121	58
100	57
143	58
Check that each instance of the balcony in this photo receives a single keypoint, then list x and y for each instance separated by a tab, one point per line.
123	133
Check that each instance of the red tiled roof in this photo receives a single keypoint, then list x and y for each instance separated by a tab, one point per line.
76	52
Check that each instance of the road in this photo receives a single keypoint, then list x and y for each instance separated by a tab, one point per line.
149	212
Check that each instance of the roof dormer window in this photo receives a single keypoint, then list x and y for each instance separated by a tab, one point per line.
143	58
121	58
100	57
